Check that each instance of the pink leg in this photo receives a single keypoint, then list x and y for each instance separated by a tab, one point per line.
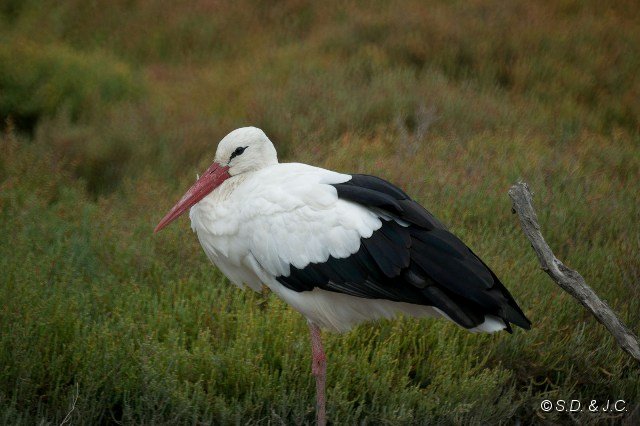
319	369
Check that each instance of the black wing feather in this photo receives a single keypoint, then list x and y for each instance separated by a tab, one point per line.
422	263
388	261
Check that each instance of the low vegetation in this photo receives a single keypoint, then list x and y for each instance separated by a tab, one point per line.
110	109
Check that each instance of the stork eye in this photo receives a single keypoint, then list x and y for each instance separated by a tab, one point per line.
239	150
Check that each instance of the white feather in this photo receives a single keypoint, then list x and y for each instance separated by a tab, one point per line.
284	214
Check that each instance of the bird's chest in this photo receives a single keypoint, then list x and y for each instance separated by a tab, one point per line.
220	222
230	255
218	230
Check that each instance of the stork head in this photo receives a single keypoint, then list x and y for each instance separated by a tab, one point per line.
245	150
242	151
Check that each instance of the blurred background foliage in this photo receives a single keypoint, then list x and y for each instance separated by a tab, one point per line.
110	108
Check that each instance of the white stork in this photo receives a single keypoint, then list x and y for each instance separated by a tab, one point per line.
339	248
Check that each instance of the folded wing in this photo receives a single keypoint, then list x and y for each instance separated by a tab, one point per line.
409	257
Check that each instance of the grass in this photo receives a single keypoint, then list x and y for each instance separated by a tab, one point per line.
110	109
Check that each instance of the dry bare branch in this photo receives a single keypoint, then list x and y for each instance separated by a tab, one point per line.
569	280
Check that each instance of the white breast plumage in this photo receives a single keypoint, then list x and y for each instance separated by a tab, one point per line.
283	215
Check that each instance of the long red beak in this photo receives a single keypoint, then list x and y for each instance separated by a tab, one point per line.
210	180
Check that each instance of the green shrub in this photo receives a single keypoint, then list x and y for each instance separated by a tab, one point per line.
39	80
